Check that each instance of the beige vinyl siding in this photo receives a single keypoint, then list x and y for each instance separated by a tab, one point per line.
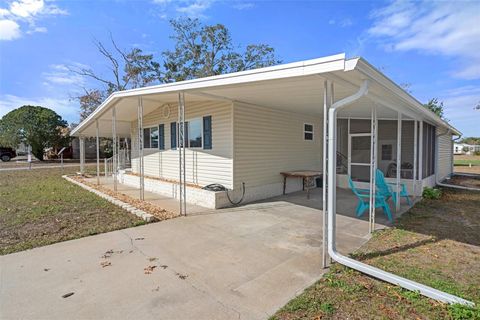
445	149
269	141
203	167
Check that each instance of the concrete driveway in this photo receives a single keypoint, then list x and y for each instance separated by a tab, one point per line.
237	263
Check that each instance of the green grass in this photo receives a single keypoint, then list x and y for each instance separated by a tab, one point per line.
436	243
39	207
462	162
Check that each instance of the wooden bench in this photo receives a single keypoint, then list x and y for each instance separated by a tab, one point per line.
308	179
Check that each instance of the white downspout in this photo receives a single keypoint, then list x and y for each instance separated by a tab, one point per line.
437	181
351	263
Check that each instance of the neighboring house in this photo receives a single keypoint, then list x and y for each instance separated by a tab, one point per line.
467	149
250	126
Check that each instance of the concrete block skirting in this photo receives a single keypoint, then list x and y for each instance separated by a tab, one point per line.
197	196
128	207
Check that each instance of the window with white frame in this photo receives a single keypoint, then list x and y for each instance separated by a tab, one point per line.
150	138
307	131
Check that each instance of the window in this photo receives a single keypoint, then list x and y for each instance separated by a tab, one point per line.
308	131
195	133
387	152
150	138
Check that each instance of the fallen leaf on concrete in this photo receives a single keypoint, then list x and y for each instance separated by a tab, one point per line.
152	259
149	269
46	269
164	266
107	254
181	276
66	295
139	238
105	264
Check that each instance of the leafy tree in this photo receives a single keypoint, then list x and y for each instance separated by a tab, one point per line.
200	51
436	107
471	140
207	50
36	126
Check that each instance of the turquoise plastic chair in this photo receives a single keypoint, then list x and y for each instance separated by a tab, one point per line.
385	188
363	196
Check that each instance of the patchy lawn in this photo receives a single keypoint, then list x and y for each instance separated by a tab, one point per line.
39	207
436	243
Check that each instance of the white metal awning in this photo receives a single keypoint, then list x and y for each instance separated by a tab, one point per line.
295	87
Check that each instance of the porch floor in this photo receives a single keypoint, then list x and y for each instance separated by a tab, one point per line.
346	201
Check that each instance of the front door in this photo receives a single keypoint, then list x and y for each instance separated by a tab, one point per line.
359	156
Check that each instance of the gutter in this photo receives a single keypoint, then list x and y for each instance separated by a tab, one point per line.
331	205
437	181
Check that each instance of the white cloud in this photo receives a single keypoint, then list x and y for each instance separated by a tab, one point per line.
195	9
459	103
61	75
443	28
9	30
346	22
25	14
189	8
243	5
65	107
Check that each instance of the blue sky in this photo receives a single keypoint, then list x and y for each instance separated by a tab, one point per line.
434	46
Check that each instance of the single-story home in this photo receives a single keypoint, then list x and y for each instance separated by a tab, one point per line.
333	117
242	130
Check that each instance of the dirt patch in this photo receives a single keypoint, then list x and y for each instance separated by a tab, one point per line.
465	181
158	212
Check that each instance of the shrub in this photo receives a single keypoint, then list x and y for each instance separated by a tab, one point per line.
431	193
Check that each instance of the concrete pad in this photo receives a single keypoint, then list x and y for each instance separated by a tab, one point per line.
243	262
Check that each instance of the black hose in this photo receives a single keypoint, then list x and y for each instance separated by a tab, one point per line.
219	187
241	199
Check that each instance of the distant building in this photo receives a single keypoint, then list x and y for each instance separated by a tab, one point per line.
467	149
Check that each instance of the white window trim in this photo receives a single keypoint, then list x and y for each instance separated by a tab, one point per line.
150	148
312	132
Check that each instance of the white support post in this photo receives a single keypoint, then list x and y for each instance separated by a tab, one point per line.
140	148
98	150
415	160
182	143
399	161
326	106
82	155
375	162
372	185
115	151
420	158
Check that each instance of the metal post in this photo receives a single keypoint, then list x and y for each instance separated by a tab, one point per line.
114	158
61	161
324	174
420	158
82	156
140	148
399	160
98	151
372	184
375	162
415	145
184	158
182	143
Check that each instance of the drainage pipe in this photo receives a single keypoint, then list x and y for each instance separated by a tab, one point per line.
332	251
437	181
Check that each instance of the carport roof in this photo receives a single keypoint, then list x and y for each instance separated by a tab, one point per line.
294	87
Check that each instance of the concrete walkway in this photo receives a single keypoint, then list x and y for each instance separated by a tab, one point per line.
244	263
